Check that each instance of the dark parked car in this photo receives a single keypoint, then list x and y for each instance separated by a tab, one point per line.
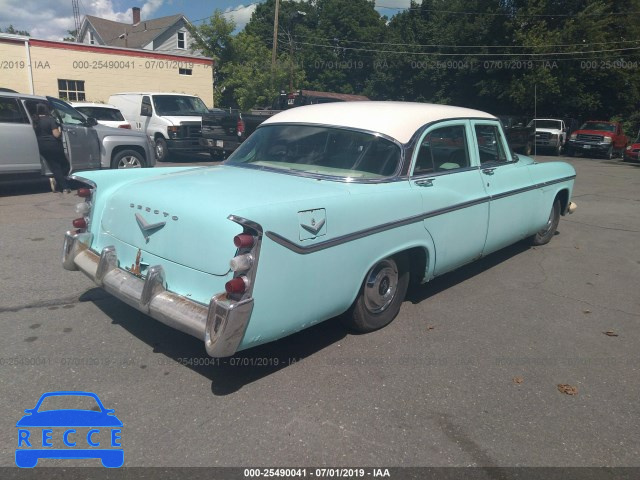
224	130
520	135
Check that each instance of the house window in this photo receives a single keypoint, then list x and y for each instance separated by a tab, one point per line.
186	71
72	90
92	40
181	40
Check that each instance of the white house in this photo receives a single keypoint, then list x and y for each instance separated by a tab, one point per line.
166	34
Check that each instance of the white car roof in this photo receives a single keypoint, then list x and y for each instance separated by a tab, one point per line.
90	104
398	120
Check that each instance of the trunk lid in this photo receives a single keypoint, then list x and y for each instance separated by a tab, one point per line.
183	216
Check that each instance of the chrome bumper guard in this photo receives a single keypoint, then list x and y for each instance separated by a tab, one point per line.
221	324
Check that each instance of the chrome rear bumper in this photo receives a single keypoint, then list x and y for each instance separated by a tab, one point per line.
221	324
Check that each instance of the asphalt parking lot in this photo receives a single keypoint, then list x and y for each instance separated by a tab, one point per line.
467	374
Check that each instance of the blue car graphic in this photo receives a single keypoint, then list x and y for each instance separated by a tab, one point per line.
32	446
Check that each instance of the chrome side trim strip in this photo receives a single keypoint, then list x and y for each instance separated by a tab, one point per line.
305	250
531	187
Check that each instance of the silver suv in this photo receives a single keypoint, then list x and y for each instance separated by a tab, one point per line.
88	146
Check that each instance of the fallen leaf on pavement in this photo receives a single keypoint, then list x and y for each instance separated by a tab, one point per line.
586	311
430	327
518	380
567	389
610	333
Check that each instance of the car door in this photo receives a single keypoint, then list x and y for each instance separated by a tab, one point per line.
82	144
508	183
453	197
19	152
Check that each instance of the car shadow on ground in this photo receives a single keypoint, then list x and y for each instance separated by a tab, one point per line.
419	293
12	187
228	375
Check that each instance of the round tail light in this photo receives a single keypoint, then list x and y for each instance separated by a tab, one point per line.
236	285
244	240
84	192
80	223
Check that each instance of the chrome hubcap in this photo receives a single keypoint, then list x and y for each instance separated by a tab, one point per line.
159	150
129	162
381	286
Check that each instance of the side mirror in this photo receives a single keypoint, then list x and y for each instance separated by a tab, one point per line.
145	110
91	122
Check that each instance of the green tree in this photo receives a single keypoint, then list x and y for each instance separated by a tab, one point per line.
329	39
13	31
214	39
250	77
72	36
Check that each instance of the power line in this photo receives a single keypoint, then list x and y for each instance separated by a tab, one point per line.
466	54
436	45
505	14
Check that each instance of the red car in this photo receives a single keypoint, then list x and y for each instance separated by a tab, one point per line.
598	137
631	153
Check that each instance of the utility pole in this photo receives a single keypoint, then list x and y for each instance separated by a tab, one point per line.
275	38
76	18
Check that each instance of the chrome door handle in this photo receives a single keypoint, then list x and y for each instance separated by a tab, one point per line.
488	171
427	182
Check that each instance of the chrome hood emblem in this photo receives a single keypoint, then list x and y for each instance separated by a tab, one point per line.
148	228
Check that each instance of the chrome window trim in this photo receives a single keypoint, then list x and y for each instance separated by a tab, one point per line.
456	122
444	172
394	177
320	176
413	141
305	250
512	158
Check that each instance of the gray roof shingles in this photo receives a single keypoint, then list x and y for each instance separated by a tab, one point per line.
138	36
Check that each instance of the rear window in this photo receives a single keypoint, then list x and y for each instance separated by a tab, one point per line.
102	113
319	150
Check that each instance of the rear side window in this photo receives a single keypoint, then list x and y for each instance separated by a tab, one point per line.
102	113
11	111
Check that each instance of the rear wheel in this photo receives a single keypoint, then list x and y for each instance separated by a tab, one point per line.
381	295
547	232
127	159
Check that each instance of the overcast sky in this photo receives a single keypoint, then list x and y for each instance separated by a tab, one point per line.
51	19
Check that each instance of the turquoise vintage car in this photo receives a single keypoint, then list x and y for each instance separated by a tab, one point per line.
325	210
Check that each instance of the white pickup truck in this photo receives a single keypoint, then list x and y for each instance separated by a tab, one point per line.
551	134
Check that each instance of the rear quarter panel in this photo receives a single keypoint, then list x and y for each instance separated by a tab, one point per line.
551	178
294	290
